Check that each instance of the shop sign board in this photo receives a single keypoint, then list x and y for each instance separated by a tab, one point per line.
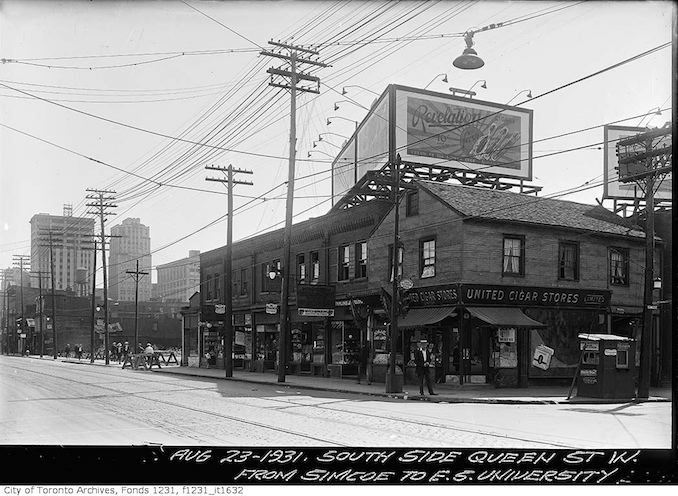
507	335
468	134
271	308
542	357
610	352
485	294
590	346
220	309
315	300
443	295
588	372
316	312
22	335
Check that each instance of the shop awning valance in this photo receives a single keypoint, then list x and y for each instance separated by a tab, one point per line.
504	317
423	316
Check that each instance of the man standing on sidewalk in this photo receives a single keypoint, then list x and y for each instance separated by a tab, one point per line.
422	362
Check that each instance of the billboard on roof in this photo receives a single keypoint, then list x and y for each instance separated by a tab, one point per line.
462	133
613	188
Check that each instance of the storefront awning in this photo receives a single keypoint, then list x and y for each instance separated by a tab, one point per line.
504	317
423	316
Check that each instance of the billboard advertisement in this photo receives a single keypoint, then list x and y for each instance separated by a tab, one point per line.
466	134
613	188
373	138
343	170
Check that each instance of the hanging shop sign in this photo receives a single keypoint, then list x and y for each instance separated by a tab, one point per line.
271	308
220	309
542	357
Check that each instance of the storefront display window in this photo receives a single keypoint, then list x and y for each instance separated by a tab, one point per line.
319	344
267	343
345	343
560	334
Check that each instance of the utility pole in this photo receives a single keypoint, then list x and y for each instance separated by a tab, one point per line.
103	206
228	282
19	262
40	312
93	314
50	241
137	275
3	281
391	386
641	159
290	80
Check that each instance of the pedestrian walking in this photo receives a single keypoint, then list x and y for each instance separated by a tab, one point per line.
148	353
67	350
78	351
422	362
118	351
125	350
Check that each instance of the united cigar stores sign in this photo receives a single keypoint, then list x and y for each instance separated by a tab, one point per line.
484	294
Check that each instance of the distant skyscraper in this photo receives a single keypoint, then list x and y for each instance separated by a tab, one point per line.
71	248
178	280
133	244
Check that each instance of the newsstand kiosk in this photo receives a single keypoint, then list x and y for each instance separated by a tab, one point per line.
607	367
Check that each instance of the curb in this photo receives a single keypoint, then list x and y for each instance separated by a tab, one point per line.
405	396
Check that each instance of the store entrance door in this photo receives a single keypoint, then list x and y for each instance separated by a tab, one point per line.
475	354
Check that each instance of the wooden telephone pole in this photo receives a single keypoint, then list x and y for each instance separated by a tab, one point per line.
103	206
291	79
137	274
228	282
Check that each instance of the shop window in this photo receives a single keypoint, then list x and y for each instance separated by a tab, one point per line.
412	203
301	267
243	282
361	260
343	263
315	266
427	258
622	359
265	281
591	358
568	261
619	266
390	262
513	263
234	283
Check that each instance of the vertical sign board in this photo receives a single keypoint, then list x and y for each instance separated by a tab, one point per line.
343	170
373	137
613	188
466	134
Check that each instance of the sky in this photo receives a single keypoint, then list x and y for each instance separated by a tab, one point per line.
110	94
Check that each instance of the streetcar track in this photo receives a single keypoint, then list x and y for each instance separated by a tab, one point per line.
205	412
289	405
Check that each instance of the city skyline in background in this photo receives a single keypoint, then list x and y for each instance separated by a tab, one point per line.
91	104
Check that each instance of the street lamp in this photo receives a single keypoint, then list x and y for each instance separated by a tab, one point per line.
343	90
320	151
529	95
444	80
340	117
320	136
484	85
469	58
315	143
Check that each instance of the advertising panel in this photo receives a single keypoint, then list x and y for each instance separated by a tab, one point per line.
373	138
343	171
469	135
613	188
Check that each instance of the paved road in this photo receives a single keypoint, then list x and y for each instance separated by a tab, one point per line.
47	402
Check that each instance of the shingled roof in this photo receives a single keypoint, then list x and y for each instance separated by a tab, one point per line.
506	206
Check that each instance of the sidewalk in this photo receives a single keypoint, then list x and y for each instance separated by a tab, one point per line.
471	393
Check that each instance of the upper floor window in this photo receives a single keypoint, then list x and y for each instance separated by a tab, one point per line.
568	261
301	267
619	266
315	266
427	257
217	287
265	280
361	260
208	287
343	263
390	262
513	262
243	282
412	203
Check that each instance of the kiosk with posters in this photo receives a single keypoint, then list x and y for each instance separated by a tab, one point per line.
607	368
